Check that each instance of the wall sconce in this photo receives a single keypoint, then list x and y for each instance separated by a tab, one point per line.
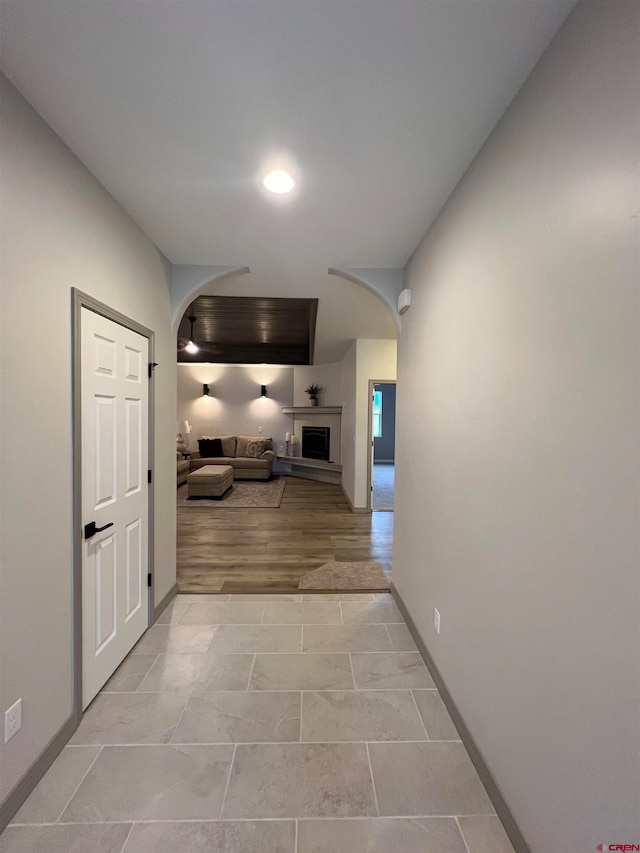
263	390
205	390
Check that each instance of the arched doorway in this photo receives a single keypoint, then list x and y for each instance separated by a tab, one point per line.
323	517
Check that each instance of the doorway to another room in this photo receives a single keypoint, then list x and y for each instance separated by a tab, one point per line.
383	445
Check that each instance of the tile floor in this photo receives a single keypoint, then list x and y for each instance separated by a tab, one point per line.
279	724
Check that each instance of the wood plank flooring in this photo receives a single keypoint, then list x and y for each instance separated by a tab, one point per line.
268	550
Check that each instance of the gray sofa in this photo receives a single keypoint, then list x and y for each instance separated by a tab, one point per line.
184	468
234	448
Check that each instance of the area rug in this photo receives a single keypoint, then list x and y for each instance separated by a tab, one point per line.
345	576
251	494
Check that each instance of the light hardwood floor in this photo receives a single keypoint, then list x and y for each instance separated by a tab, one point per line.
268	550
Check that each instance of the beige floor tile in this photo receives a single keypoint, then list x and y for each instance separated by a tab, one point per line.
227	613
240	718
257	638
88	838
300	780
380	835
265	599
364	715
362	612
337	596
346	638
128	676
201	598
131	718
382	596
301	672
435	716
152	783
265	836
401	638
306	613
173	612
426	779
52	793
397	670
199	672
175	639
485	835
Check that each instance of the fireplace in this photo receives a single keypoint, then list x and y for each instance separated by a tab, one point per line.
315	442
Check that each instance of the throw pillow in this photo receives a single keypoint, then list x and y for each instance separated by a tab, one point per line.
210	447
255	448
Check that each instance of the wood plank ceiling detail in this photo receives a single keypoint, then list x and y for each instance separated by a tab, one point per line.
249	330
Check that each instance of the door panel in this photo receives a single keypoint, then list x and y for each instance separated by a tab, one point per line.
133	446
133	570
115	418
105	457
104	592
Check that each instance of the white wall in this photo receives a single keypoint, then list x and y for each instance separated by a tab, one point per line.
517	489
327	376
235	406
349	387
60	229
366	359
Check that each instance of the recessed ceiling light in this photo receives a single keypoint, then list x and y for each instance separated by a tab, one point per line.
279	181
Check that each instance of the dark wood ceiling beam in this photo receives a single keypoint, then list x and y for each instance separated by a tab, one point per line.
236	329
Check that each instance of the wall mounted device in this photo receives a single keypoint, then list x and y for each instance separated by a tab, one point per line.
263	390
205	390
404	300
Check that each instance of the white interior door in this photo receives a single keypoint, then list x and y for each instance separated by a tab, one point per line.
115	417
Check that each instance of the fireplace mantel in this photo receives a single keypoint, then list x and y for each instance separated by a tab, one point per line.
312	410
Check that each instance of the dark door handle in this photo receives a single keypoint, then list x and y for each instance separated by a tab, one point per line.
91	529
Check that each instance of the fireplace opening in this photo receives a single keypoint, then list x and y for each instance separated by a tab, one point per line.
315	442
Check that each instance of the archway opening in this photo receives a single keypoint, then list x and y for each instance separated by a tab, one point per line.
317	516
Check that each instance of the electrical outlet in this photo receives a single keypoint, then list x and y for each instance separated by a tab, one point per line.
436	620
12	720
259	430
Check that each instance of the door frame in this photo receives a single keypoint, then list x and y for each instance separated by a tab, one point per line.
372	384
80	300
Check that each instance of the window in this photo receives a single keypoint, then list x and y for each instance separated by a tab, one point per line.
377	414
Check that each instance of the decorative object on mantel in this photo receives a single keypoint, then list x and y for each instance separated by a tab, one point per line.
183	429
312	391
243	494
346	576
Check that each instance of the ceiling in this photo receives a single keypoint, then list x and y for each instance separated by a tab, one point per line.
249	330
179	108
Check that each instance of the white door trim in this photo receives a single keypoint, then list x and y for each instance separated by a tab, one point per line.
82	300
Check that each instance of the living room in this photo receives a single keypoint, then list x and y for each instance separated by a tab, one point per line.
271	403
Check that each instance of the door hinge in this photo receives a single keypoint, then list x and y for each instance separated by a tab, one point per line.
149	476
149	579
152	365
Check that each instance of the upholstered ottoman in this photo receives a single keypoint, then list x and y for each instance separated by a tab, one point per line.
211	481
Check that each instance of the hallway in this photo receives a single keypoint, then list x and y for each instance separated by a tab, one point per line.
283	724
